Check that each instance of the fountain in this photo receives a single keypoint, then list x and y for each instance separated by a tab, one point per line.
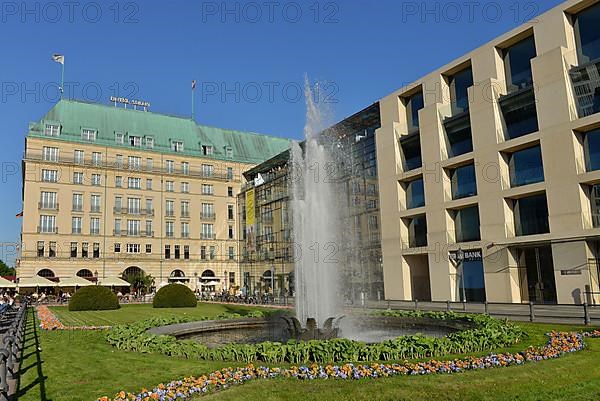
316	219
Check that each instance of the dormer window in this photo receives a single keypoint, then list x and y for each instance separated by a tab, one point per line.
119	138
207	150
149	142
88	134
52	130
228	152
135	141
177	146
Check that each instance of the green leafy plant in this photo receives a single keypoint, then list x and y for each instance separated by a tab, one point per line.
93	297
174	296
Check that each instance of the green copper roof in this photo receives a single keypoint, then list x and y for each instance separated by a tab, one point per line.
73	116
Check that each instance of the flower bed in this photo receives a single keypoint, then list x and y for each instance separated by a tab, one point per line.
486	333
49	321
558	344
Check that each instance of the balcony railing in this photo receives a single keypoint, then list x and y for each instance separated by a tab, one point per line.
95	209
126	233
169	213
586	88
47	230
136	212
185	214
208	216
47	206
77	208
207	235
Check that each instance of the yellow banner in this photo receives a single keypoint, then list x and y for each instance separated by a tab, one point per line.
250	221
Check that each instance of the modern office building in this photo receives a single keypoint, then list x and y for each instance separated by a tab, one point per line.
109	190
268	249
489	169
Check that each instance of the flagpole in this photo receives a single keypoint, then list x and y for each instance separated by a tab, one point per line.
62	79
193	96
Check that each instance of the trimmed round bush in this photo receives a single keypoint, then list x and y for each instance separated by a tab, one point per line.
174	296
93	297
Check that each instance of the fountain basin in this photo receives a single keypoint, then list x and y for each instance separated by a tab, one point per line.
368	329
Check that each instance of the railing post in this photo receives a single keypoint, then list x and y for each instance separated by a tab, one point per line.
389	303
8	344
485	305
464	305
3	378
416	304
531	312
448	305
586	314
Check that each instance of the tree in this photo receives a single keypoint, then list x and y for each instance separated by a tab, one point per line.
141	282
5	270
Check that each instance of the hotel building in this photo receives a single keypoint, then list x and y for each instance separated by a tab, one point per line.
109	190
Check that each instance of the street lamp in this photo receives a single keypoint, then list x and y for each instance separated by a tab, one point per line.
460	258
226	281
96	276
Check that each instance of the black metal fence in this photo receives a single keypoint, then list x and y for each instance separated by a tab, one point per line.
12	329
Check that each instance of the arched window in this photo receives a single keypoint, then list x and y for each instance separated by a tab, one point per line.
85	273
133	271
177	273
47	273
208	274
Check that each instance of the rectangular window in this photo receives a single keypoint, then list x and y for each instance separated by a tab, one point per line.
133	248
228	153
207	231
207	150
417	231
96	158
78	202
230	232
134	163
177	252
134	183
73	249
52	249
119	161
185	187
531	215
520	113
463	181
212	252
76	225
207	189
526	167
411	152
185	209
186	252
149	231
185	168
170	208
96	251
170	186
208	211
135	141
459	84
170	166
149	183
203	252
48	200
177	146
170	229
415	194
40	249
207	170
117	247
167	251
134	205
413	104
52	130
95	226
466	224
88	134
79	156
50	154
117	226
118	204
77	178
118	181
84	249
49	175
96	179
587	34
230	192
148	248
230	214
149	164
517	64
96	203
231	253
47	224
133	227
458	134
149	206
149	142
595	203
119	138
230	173
185	230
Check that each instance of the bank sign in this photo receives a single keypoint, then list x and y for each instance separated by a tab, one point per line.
472	255
133	102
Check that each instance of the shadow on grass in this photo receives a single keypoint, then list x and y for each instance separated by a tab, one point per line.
31	359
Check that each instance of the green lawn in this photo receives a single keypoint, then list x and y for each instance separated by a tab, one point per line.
135	312
80	366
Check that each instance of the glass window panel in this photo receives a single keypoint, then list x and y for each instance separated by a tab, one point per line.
411	148
517	61
466	224
526	167
588	34
417	231
415	194
464	183
531	215
459	83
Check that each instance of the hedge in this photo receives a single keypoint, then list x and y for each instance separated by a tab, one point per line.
93	297
174	296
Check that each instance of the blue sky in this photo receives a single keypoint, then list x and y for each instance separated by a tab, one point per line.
249	59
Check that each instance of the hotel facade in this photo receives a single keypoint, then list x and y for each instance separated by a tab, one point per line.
109	191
